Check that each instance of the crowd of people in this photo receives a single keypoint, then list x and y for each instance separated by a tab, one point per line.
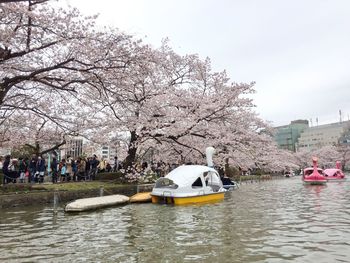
34	170
25	170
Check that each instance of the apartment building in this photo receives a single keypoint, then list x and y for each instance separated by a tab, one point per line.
324	135
74	147
108	153
287	136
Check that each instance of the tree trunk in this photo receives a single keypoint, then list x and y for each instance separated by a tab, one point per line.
3	92
37	149
131	157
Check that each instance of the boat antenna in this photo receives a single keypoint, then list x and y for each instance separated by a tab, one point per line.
209	152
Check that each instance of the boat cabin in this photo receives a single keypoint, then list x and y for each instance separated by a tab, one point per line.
309	171
189	179
333	172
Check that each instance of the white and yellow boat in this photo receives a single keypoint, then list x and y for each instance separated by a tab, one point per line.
189	184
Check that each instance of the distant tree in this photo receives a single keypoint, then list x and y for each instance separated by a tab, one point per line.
344	151
32	133
327	156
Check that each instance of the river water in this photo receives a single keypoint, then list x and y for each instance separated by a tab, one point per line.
273	221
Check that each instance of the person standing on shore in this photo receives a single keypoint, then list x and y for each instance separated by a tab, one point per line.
81	169
63	170
40	167
87	168
69	170
116	164
32	169
22	170
74	170
9	176
93	167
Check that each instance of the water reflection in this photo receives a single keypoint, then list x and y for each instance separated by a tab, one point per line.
276	221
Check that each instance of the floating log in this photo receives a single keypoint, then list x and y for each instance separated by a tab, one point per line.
92	203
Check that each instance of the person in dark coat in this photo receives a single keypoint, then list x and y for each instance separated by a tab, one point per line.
116	164
22	170
9	176
81	165
87	168
40	168
32	169
93	167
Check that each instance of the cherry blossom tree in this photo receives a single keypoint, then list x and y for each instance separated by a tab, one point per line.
47	57
48	51
36	50
175	104
344	151
34	132
327	156
67	77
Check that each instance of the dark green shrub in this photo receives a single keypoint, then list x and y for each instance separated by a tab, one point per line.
258	171
113	176
231	171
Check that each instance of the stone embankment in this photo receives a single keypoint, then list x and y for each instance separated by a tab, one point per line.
17	196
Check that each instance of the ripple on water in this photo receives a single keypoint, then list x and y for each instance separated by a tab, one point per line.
276	221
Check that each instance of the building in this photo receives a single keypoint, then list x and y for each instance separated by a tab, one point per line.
73	148
324	135
108	153
345	138
103	152
287	136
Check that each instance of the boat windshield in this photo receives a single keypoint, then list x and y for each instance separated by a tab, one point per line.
310	171
165	183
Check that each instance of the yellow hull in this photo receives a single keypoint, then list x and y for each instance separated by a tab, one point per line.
141	198
209	198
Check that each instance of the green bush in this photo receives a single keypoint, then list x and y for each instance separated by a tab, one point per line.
258	171
231	171
113	176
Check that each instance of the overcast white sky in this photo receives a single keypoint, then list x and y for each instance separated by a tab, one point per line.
297	51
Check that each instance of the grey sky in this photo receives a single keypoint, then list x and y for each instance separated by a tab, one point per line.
297	52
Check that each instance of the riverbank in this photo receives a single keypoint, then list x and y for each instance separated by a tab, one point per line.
16	195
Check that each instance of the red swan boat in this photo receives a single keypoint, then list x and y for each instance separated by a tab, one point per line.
314	175
335	174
